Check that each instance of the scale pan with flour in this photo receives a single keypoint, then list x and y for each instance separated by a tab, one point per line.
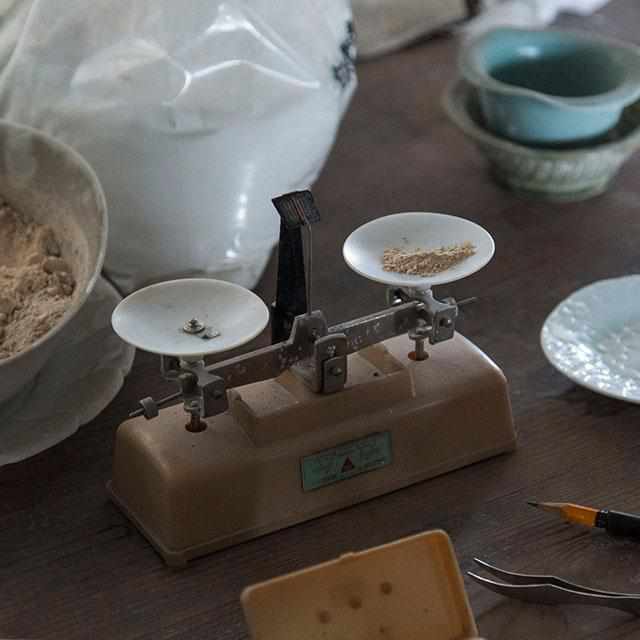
325	416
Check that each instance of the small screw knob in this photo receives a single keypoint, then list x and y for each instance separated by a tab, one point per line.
149	408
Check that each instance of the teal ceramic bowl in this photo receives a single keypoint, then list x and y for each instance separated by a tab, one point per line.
551	87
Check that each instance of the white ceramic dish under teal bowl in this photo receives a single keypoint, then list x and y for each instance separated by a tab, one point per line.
593	337
550	174
551	87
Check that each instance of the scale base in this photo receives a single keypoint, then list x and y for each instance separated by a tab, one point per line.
283	455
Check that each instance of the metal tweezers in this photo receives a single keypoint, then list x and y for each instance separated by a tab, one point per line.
552	590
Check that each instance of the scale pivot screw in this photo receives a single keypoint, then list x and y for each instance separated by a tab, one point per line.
193	326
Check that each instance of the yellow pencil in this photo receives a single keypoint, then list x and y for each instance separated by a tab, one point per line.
616	523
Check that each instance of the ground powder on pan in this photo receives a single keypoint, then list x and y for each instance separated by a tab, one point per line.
420	262
36	284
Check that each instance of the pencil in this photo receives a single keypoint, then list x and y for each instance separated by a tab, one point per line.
616	523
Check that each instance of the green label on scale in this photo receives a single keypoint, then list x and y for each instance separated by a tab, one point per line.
346	460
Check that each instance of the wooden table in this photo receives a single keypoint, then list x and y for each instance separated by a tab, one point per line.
71	566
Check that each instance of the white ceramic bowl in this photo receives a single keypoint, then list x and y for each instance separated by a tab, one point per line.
53	184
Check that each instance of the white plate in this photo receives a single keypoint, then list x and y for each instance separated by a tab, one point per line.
152	318
363	249
593	337
82	377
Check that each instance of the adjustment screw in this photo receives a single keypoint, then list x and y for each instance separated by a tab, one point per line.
193	326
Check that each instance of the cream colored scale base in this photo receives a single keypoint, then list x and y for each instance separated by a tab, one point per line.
194	493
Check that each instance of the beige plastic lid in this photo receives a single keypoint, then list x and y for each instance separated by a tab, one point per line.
410	589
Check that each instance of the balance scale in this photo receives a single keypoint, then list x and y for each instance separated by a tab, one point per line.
324	417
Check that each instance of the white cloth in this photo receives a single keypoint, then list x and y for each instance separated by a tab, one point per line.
527	13
386	25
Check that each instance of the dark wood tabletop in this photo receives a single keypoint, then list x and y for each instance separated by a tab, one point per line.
71	566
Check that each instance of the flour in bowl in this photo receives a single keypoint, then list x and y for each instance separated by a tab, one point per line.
36	284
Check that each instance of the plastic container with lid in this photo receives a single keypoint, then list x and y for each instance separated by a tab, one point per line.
410	589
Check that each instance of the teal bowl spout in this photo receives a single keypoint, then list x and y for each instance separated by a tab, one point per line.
551	87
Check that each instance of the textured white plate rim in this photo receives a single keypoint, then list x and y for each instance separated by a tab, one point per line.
551	355
421	282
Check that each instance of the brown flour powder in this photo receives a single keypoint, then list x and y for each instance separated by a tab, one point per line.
419	262
36	284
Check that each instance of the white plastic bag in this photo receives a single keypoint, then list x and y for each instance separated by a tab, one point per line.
193	114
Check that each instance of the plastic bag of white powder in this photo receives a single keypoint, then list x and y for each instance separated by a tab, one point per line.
194	115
